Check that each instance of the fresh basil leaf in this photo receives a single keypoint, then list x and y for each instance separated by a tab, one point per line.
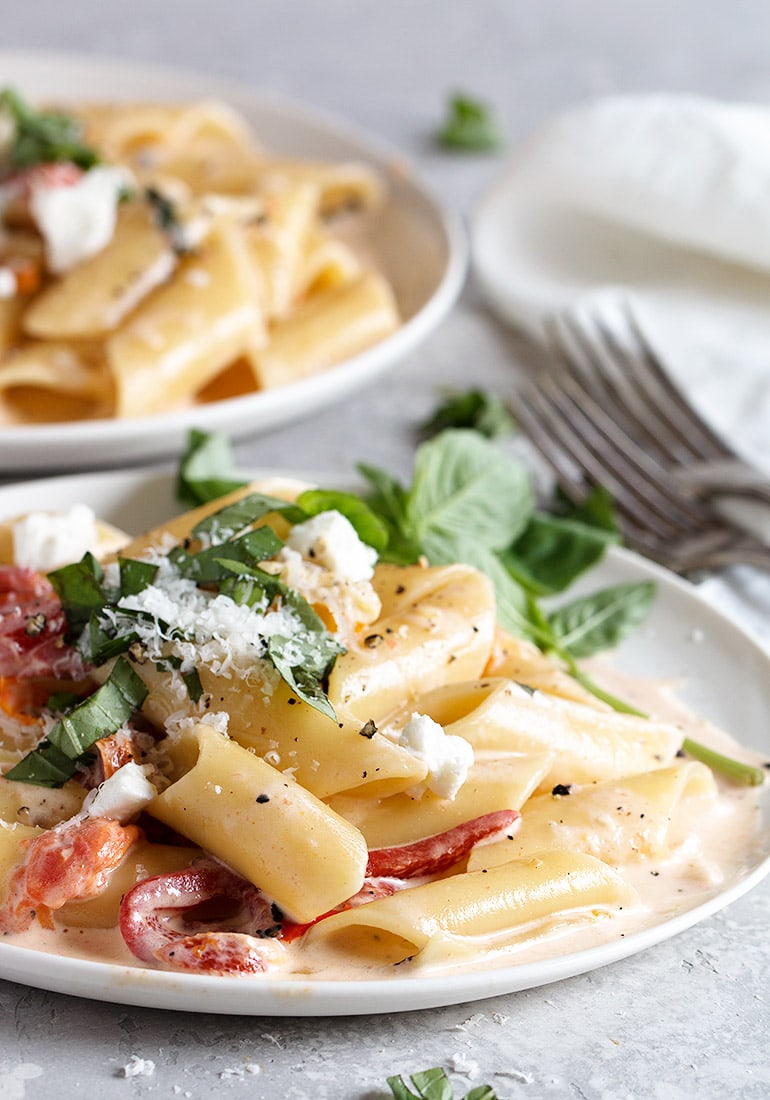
470	126
43	137
465	486
400	1089
368	526
481	1092
388	502
433	1084
484	412
110	707
206	470
597	510
601	620
551	552
79	586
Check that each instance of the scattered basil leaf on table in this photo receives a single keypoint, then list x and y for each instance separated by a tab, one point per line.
470	126
485	412
433	1084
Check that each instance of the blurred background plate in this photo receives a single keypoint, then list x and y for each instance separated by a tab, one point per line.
419	244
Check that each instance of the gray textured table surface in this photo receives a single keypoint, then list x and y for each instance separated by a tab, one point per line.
686	1019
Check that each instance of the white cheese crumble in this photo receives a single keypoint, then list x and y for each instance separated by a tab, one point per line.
7	283
78	220
46	540
331	540
447	756
137	1067
123	794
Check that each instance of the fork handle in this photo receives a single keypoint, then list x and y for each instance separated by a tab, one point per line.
725	478
758	556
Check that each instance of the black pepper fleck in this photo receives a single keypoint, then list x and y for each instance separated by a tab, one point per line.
562	789
263	798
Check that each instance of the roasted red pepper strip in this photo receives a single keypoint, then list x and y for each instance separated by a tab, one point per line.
228	944
436	853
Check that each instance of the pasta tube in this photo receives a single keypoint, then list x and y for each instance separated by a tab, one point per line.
616	821
189	330
500	903
263	825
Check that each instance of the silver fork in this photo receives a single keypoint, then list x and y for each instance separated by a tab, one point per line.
587	444
628	378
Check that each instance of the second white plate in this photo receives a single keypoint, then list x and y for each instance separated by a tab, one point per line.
420	245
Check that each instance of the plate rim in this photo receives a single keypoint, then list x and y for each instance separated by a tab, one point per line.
315	392
135	985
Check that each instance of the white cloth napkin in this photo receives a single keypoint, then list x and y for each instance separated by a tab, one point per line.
665	198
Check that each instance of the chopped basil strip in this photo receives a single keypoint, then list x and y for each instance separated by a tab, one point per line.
135	576
306	659
234	518
80	588
42	137
249	549
192	682
55	760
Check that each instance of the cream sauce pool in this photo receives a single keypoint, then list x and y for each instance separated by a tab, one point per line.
716	850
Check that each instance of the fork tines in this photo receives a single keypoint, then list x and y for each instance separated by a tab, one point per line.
605	415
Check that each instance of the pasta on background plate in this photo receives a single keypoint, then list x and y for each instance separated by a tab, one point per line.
153	256
240	745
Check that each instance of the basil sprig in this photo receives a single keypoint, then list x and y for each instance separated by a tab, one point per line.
470	126
433	1084
56	758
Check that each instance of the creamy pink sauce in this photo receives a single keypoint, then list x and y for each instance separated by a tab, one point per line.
716	851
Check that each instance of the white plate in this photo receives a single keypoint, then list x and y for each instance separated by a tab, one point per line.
727	680
420	245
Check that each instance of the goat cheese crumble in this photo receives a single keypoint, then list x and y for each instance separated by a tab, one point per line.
46	540
331	540
78	220
447	756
